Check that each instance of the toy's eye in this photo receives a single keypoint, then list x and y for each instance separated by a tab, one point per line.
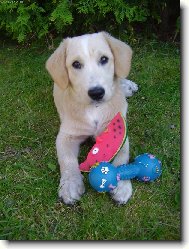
95	151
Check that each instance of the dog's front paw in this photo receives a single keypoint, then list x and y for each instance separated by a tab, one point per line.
71	188
122	193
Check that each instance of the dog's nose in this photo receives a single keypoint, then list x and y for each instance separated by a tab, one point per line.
96	93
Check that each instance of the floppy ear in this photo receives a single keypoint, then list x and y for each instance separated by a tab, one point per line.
122	55
56	66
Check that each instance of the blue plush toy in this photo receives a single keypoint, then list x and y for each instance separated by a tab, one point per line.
104	176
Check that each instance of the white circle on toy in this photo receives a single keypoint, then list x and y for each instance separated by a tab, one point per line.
95	151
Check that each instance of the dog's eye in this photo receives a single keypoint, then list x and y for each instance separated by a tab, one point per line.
103	60
76	65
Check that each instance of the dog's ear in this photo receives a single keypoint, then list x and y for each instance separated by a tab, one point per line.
122	55
56	66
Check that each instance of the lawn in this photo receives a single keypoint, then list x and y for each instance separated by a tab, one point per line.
29	172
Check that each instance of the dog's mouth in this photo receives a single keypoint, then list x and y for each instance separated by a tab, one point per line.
97	103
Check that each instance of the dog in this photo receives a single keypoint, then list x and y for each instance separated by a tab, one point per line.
90	88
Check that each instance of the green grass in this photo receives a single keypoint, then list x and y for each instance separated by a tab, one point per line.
29	172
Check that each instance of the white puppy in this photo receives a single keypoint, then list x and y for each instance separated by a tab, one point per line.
89	73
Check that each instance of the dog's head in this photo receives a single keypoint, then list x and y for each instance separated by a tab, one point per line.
88	64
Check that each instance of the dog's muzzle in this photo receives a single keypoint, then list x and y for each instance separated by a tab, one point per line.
96	93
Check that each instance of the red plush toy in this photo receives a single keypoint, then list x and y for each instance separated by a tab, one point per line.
108	143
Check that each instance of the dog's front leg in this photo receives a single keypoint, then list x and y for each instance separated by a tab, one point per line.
122	193
71	182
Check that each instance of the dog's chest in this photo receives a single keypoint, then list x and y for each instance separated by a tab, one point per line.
93	117
96	120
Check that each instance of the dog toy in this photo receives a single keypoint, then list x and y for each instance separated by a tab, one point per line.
108	143
104	177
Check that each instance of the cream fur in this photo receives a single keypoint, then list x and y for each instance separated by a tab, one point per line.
80	115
